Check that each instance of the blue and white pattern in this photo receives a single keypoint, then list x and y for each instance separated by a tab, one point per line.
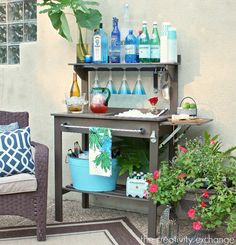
15	152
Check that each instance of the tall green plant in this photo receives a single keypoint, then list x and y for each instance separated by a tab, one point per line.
85	16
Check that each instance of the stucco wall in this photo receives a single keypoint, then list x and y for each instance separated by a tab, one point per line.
206	42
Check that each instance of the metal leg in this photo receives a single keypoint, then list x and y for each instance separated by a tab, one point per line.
152	220
85	200
154	164
58	170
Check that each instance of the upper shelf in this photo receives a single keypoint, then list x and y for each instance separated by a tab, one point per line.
123	66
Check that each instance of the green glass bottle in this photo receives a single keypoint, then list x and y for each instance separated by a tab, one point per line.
155	44
144	45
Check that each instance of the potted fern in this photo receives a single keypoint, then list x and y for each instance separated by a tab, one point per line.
85	17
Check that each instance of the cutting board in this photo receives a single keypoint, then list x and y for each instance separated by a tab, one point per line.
190	121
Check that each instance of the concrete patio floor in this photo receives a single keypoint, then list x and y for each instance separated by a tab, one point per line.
73	212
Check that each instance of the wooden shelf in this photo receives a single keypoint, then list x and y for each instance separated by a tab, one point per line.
121	66
119	192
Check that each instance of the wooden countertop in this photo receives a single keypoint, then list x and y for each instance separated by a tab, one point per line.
110	115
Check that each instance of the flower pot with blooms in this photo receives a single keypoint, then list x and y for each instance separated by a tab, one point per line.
200	166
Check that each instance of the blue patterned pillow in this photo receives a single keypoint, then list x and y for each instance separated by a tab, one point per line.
15	152
9	127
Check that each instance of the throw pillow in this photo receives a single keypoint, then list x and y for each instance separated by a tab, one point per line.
9	127
15	152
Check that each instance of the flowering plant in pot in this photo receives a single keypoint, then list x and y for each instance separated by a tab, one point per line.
85	17
202	167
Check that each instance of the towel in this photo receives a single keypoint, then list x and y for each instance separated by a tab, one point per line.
100	161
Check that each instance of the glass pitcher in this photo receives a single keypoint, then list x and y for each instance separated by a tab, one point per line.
99	100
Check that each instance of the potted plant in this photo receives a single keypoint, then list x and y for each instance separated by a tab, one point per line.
85	16
203	169
132	154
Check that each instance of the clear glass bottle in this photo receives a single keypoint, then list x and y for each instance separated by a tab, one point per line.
115	42
75	90
124	30
144	45
130	48
155	44
100	46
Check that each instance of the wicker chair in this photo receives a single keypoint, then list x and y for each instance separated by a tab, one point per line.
31	205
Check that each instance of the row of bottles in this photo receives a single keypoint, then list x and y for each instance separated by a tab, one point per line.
125	47
134	49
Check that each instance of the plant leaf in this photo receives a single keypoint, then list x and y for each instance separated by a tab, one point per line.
59	22
88	20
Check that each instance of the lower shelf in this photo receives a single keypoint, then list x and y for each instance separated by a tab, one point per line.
119	192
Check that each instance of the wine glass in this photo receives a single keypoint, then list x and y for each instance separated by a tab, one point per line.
110	84
124	87
96	82
138	88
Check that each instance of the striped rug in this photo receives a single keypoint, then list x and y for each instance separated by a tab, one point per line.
101	232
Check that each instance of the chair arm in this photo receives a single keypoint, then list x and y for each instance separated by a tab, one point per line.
41	163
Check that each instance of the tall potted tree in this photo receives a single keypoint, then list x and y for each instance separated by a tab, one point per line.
85	16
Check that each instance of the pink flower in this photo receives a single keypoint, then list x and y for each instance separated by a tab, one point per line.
203	205
153	100
205	194
156	174
212	142
197	225
181	148
191	213
153	188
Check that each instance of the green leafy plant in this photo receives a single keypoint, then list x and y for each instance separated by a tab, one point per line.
169	184
200	163
134	154
85	16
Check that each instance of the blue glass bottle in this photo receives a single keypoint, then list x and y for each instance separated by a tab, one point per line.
130	48
115	42
100	46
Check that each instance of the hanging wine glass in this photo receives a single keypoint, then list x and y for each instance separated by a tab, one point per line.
96	82
124	87
138	88
110	84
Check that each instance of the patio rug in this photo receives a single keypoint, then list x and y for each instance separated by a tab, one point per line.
101	232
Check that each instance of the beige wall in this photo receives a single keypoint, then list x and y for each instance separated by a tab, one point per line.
206	42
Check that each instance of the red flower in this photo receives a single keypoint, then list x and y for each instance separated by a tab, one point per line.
203	205
197	225
148	181
205	194
181	176
191	213
181	148
153	188
156	174
212	142
153	100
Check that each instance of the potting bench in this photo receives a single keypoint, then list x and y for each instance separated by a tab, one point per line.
147	128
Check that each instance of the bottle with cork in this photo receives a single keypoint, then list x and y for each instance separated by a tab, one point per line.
74	103
75	90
